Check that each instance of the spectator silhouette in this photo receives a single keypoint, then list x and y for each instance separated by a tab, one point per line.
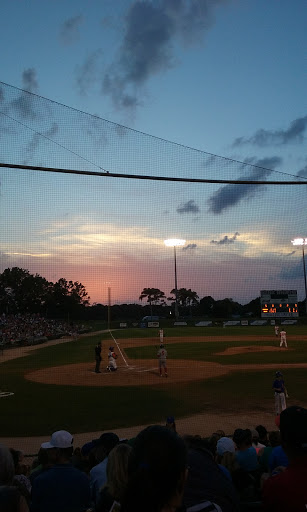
62	488
287	491
117	478
157	471
98	473
11	499
207	485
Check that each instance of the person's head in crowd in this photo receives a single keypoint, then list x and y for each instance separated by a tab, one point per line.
293	431
225	453
196	442
157	471
170	423
242	438
274	438
225	444
18	457
263	434
104	445
7	468
255	436
117	470
60	447
218	434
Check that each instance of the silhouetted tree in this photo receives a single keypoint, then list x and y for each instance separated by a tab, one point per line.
154	296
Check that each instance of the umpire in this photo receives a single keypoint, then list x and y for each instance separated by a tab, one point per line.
98	357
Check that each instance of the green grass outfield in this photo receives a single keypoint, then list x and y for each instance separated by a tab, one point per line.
39	409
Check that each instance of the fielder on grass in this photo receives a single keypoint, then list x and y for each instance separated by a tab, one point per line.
280	393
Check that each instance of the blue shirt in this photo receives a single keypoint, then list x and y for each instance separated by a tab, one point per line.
98	477
278	458
280	385
247	459
62	488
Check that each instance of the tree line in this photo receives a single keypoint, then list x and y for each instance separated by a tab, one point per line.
23	292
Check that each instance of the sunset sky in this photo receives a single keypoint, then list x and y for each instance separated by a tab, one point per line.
176	88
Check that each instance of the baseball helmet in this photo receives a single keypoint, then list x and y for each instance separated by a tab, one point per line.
111	348
278	374
161	346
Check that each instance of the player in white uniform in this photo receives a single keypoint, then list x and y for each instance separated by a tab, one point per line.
162	355
276	330
283	338
161	335
112	366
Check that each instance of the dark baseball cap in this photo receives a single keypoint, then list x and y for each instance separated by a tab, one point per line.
170	419
108	440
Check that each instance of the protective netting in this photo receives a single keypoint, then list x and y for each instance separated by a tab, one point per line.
106	231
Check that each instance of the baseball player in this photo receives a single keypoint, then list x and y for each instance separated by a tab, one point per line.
280	393
162	355
276	330
161	335
112	366
283	338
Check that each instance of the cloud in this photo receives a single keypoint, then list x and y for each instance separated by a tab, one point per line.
24	103
69	32
189	247
230	195
147	48
303	172
294	133
38	138
293	272
189	207
226	240
87	73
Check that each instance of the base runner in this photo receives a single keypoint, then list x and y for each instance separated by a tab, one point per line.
162	355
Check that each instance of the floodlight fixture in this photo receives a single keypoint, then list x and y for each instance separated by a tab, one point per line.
175	242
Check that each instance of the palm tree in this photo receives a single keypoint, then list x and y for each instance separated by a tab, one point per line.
154	296
186	298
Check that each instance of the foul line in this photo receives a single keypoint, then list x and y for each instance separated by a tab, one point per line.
117	345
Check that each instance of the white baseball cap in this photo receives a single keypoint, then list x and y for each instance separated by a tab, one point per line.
59	439
225	444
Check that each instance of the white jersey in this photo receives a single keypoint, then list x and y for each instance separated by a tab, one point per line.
283	336
112	356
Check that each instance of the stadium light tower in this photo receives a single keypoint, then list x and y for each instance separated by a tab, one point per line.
175	242
302	242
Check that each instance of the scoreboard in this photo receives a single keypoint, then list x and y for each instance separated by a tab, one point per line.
278	304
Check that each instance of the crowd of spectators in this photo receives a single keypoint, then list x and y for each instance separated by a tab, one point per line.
29	329
161	471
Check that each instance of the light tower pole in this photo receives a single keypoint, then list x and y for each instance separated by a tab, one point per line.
302	242
175	242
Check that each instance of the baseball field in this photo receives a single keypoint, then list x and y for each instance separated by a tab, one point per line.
225	373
